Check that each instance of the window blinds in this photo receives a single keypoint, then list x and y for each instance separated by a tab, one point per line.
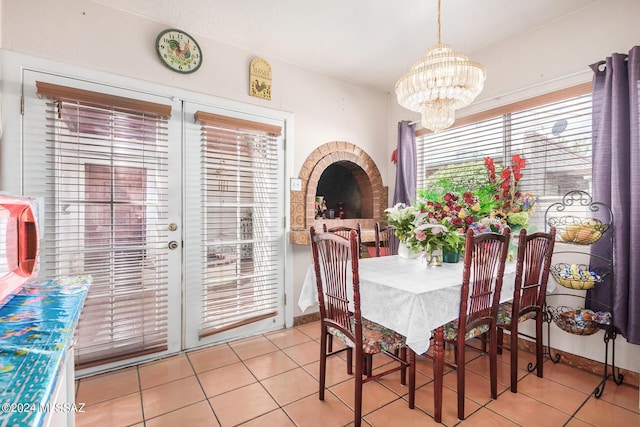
553	137
106	215
240	226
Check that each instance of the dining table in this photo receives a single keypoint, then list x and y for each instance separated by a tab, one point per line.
411	298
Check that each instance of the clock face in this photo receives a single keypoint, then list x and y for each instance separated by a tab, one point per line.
178	51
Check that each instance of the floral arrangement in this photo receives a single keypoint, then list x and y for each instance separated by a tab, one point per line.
404	218
513	207
420	230
443	212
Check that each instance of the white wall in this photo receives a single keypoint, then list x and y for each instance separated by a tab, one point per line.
83	34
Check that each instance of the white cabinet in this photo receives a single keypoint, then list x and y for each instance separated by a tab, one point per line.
61	406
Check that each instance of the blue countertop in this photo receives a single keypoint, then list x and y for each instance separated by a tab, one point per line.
36	331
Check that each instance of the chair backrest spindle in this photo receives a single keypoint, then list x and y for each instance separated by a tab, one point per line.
333	255
484	263
535	251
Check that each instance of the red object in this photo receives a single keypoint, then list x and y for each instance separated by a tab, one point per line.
19	249
394	156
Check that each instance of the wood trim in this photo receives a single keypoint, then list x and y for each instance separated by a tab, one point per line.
209	332
209	119
124	356
52	91
536	101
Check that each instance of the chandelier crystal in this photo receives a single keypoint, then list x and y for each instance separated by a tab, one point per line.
440	83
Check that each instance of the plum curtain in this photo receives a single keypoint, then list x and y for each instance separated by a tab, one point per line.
406	168
616	181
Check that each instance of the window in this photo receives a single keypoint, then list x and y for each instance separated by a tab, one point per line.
240	230
106	204
552	133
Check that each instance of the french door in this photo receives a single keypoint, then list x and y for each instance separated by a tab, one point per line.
234	268
128	191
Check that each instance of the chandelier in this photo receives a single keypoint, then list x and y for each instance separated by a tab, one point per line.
440	83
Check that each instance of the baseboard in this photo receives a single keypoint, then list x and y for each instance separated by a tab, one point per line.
593	366
306	318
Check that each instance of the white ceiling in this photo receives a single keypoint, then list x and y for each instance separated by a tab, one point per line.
371	42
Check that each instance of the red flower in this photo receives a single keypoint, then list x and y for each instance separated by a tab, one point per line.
506	173
491	168
518	161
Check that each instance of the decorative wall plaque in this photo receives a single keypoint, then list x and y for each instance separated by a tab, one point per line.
260	79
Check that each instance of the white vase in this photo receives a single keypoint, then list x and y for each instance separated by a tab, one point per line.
406	252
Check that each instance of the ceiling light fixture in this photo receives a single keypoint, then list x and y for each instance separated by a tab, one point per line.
440	83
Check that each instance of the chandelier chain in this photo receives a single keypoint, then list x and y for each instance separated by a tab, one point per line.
439	40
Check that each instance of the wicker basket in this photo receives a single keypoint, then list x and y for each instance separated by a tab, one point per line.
581	231
578	321
577	276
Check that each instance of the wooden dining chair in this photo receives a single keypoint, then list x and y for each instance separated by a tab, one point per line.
386	240
484	261
344	232
336	267
532	274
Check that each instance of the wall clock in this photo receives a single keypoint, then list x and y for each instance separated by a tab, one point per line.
179	51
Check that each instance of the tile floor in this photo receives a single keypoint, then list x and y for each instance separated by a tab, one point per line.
271	380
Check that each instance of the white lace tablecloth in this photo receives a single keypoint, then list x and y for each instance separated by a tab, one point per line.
407	296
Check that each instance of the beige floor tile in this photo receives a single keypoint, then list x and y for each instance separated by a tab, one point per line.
392	382
398	412
243	404
272	380
277	418
602	413
304	353
291	386
575	378
374	395
486	418
424	365
211	358
198	414
122	411
226	378
336	371
526	411
270	364
287	337
108	386
252	347
313	412
559	396
312	330
424	401
480	365
477	387
623	395
164	371
171	396
575	422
